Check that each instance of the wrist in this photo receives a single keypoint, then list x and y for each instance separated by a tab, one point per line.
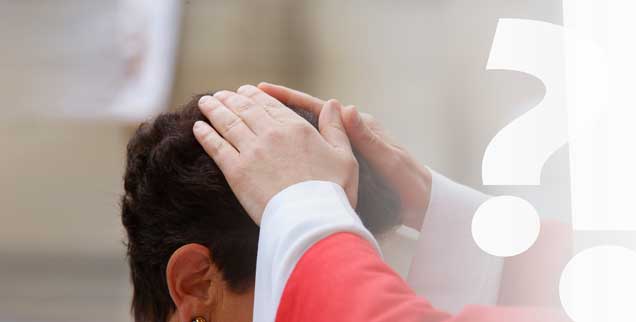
416	201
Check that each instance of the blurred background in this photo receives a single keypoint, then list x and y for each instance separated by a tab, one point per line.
77	76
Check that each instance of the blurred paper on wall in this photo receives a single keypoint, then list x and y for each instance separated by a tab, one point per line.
149	45
85	59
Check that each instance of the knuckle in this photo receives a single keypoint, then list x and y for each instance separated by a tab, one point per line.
234	100
271	109
257	152
235	122
214	145
243	107
239	103
337	126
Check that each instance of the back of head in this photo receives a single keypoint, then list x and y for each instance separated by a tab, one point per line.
176	195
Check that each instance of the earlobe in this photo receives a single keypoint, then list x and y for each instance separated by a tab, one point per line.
190	275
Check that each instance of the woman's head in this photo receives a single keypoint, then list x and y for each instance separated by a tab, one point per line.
190	243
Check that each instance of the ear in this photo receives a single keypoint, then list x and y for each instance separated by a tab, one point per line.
193	282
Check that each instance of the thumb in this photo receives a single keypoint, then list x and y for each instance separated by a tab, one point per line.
366	141
331	126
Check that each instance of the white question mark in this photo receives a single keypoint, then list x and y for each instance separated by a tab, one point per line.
507	226
598	284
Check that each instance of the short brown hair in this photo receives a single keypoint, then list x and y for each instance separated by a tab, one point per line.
176	195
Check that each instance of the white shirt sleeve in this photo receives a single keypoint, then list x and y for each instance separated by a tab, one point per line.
448	268
293	220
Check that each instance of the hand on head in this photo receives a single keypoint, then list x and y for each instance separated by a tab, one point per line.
404	174
262	147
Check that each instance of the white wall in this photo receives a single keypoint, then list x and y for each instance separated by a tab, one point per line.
419	66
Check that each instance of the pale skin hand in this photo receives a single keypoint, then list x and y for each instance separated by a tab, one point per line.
404	174
262	147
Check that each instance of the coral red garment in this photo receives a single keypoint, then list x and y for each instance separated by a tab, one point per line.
342	279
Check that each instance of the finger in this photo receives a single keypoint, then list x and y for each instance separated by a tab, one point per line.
222	152
275	108
253	114
226	123
375	127
331	127
291	97
372	146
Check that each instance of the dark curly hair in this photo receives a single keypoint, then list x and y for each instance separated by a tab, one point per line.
176	195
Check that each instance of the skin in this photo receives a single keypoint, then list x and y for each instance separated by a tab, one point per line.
198	289
399	168
530	279
261	147
257	142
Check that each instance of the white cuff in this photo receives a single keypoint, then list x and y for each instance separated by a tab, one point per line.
294	220
448	267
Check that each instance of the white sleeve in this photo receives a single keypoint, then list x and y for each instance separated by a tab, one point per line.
448	268
293	220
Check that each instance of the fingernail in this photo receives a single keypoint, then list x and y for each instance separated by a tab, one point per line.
198	126
221	94
244	87
335	104
204	99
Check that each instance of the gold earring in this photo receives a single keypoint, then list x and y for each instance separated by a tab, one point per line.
199	319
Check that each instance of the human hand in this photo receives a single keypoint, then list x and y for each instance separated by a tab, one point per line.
401	171
262	147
